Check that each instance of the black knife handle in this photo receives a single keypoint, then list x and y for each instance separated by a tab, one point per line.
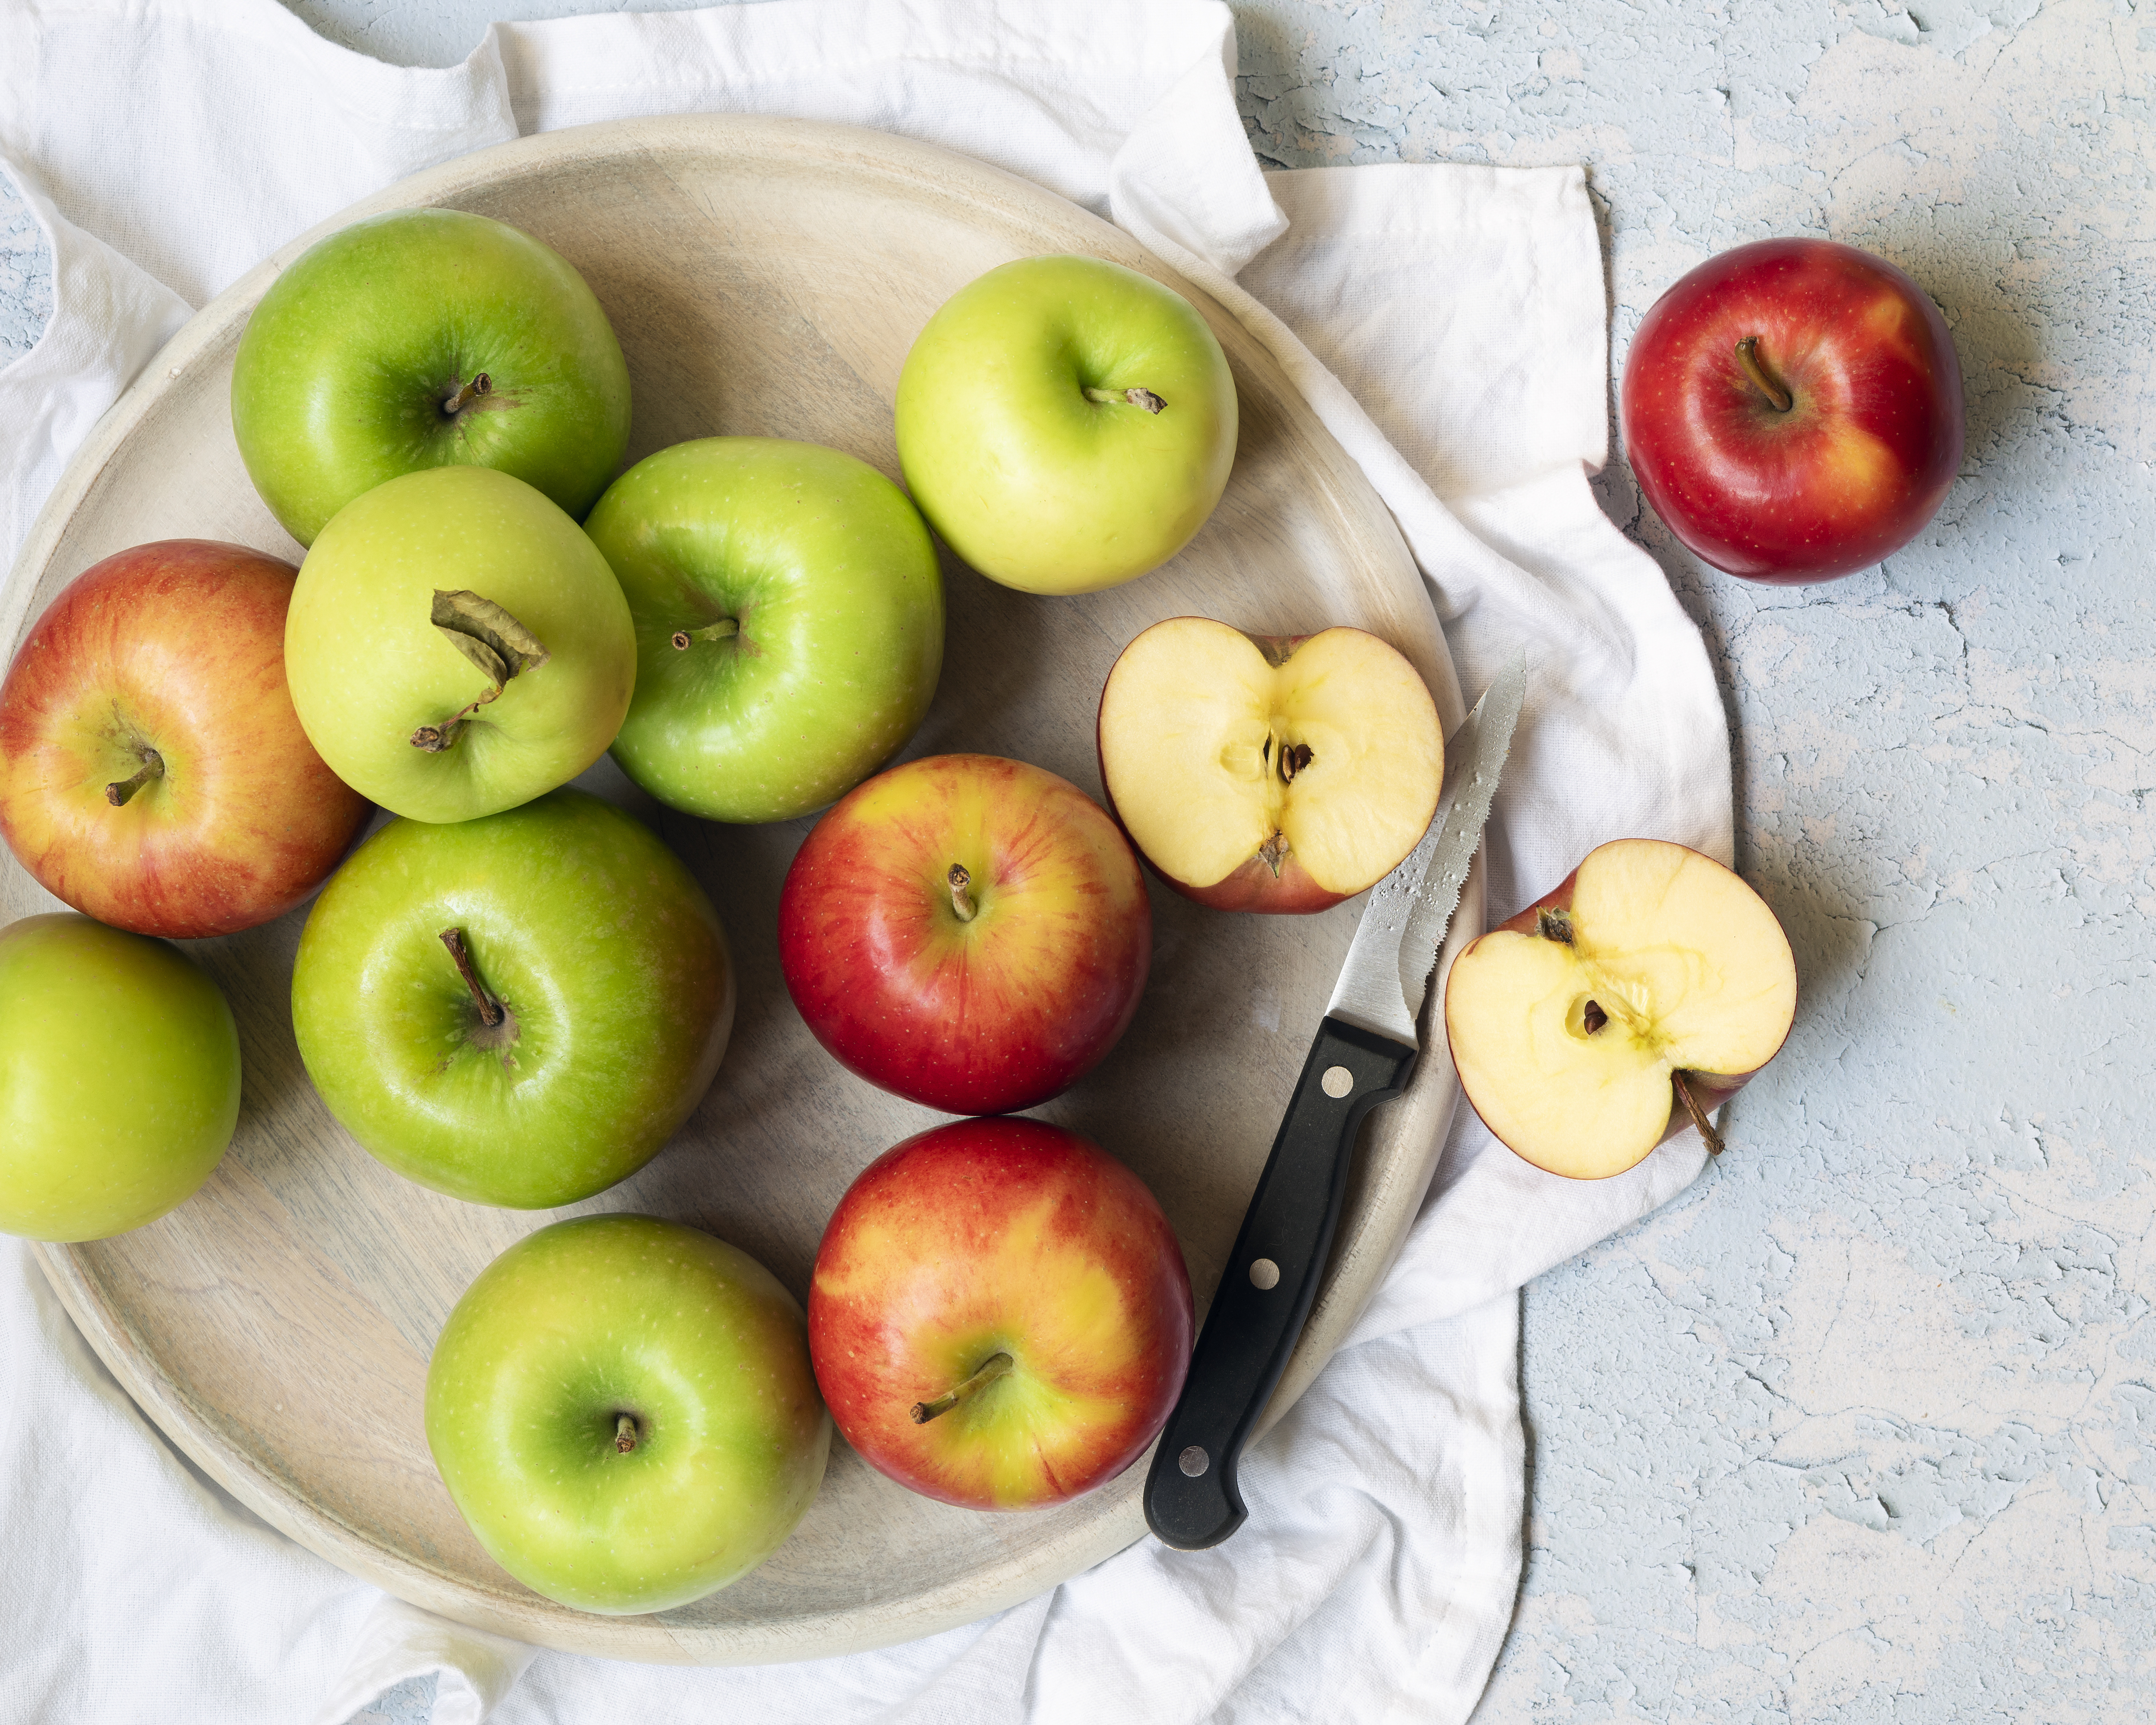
1191	1500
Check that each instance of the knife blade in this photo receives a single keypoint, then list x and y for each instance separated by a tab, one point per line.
1364	1048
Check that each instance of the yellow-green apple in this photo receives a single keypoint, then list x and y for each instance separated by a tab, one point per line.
152	773
426	338
1792	409
1626	1005
623	1408
456	645
518	1010
1066	423
789	624
970	932
999	1316
1266	772
119	1078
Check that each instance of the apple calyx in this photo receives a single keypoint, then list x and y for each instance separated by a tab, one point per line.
725	628
1134	397
1756	373
992	1367
962	901
465	394
153	767
492	640
624	1433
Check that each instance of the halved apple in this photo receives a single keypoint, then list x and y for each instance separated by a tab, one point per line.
1269	772
1625	1006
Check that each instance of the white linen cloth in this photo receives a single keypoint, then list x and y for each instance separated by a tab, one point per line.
1447	322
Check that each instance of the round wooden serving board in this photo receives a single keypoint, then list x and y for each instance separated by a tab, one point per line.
764	277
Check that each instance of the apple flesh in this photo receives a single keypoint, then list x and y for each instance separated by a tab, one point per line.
456	645
1793	410
519	1010
1266	772
1000	1316
426	338
969	932
623	1410
153	771
119	1078
1066	423
789	624
1628	1004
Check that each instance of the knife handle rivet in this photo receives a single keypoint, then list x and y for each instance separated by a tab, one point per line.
1193	1462
1264	1275
1337	1082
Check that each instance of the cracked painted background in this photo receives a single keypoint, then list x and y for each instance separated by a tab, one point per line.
1863	1428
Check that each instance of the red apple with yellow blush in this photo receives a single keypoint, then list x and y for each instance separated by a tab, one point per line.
1793	410
1000	1316
153	771
968	932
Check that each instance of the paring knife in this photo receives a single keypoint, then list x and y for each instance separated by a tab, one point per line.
1364	1050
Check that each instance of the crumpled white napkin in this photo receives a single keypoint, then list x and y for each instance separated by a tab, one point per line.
1448	323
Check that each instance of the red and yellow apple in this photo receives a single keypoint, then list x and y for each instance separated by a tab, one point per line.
1000	1316
153	771
1793	410
967	931
1628	1004
1266	772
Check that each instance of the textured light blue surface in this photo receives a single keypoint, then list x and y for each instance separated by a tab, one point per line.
1863	1428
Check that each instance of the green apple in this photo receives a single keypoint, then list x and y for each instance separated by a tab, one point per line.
789	624
623	1408
517	1010
456	645
1066	423
119	1078
426	338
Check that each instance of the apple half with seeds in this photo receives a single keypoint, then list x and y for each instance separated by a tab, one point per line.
1629	1004
1269	772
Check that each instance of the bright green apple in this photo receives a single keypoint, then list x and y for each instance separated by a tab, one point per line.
119	1078
517	1010
426	338
789	624
622	1409
1066	423
457	645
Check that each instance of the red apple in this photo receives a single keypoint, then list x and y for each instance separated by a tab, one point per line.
1793	410
1625	1006
970	932
1269	772
1000	1316
153	771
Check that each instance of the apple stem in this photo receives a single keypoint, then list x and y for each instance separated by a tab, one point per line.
1554	925
1698	1114
624	1433
962	901
466	393
1133	398
489	1010
992	1368
684	637
120	790
1748	356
